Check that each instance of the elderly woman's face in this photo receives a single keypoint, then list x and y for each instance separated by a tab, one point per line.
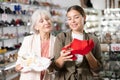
43	24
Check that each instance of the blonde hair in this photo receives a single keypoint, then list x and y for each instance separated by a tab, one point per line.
36	15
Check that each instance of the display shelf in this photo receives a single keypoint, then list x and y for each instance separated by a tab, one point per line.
10	17
7	67
19	31
111	62
10	77
110	25
14	36
9	38
9	52
2	39
10	66
93	17
8	72
8	58
110	40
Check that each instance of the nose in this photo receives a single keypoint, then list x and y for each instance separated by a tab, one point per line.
46	21
72	20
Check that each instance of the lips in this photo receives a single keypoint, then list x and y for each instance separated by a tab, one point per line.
74	25
47	26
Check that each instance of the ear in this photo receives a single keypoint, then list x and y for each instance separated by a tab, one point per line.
36	28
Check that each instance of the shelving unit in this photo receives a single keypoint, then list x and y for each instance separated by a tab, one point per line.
106	25
11	37
7	71
93	17
111	39
7	67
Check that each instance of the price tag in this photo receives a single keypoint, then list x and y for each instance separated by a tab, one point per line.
4	17
115	47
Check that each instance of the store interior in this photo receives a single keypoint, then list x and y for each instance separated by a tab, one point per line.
103	19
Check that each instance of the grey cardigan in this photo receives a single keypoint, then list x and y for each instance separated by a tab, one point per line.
68	71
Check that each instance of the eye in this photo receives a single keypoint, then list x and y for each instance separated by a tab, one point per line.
41	21
68	19
76	17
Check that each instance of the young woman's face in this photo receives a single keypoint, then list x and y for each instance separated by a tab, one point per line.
44	24
75	21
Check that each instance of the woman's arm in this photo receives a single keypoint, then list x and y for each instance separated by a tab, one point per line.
94	57
60	56
22	51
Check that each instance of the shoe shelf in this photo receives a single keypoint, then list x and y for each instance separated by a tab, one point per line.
110	43
19	31
12	31
8	55
106	26
15	24
92	24
111	60
8	73
7	64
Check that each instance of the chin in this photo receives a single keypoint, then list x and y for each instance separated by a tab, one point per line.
75	29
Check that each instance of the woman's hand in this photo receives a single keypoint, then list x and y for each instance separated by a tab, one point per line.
64	56
18	68
94	64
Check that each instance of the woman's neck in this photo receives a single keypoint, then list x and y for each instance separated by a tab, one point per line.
77	32
45	36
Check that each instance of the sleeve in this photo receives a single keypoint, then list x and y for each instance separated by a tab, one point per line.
98	54
23	50
58	45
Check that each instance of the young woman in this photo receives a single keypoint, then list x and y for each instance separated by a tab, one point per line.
36	52
85	67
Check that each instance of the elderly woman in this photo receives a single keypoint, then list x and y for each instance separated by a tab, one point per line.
36	52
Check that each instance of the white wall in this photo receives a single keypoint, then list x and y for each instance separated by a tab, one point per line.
97	4
100	4
66	3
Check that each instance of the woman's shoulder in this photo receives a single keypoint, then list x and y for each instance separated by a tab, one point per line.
61	35
94	37
64	34
29	37
91	35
